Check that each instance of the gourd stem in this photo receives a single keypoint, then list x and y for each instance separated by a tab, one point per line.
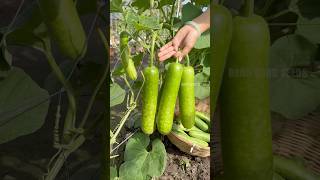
153	41
188	60
248	8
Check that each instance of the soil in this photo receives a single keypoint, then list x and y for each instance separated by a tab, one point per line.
181	166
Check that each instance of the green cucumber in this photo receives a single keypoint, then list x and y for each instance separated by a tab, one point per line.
187	98
64	25
192	140
198	142
200	135
168	98
292	170
246	136
221	33
149	99
203	116
126	59
201	124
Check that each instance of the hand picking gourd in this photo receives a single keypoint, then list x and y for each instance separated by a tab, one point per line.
168	98
64	25
126	60
221	22
245	114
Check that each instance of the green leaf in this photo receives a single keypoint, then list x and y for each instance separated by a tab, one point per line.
141	164
203	41
117	94
142	22
29	30
202	86
148	23
309	8
137	59
309	29
189	12
23	105
141	5
293	96
113	173
201	2
116	6
165	3
155	162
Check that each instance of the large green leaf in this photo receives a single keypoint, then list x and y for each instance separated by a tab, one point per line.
113	173
141	5
202	85
142	22
190	11
307	8
203	41
116	6
293	96
165	3
139	163
29	29
23	105
309	29
117	94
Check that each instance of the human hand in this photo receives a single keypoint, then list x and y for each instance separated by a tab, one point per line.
185	39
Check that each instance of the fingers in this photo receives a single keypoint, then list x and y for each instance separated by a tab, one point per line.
167	56
166	46
165	51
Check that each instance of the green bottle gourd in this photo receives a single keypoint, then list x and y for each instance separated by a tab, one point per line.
221	33
64	25
126	59
187	98
168	98
245	113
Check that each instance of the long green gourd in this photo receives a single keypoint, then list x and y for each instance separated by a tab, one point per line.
187	98
245	113
221	33
150	94
63	22
168	98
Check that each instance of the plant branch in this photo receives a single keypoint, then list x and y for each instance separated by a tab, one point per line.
71	112
98	87
274	16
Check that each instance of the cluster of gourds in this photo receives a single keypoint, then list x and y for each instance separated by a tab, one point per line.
179	81
199	134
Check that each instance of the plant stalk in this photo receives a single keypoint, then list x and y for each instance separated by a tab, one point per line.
248	8
153	41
